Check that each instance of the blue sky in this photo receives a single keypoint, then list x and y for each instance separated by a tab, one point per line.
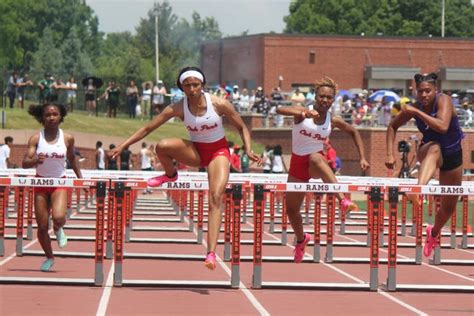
233	16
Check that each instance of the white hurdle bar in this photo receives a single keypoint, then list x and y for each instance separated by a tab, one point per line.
120	254
25	182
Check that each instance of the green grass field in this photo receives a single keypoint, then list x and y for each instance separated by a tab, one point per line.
101	125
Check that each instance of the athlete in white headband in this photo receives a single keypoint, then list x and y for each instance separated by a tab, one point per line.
191	73
207	148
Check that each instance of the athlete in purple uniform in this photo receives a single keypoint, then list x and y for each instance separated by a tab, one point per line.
440	148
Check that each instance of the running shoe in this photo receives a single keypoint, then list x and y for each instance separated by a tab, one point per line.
47	265
61	238
157	181
299	249
210	261
346	206
431	242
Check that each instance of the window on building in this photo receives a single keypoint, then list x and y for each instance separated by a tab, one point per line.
312	57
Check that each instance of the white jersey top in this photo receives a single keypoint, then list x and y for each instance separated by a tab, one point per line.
101	158
4	155
53	165
145	158
277	164
146	95
71	93
207	128
308	137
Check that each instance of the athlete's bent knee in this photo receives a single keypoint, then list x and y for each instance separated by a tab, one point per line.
316	160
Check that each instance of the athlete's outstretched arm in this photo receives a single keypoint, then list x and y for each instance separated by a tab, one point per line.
223	107
338	122
401	119
440	122
174	110
298	112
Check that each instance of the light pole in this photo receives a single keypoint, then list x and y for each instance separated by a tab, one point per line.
442	17
157	62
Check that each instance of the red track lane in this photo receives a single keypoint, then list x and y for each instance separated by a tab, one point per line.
56	300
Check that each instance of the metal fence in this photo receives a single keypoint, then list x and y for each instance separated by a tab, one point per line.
270	118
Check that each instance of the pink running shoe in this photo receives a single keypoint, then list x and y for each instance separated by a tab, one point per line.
346	205
210	261
299	248
157	181
431	242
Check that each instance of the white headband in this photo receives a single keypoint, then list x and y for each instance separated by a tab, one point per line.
191	73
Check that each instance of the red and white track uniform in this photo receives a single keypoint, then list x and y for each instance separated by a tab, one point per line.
307	138
206	132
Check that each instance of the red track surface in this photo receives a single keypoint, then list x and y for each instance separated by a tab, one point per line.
85	300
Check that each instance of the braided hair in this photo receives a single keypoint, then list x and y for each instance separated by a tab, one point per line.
431	78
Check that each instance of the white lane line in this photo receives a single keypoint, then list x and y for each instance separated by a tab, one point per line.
253	300
448	272
423	263
322	262
107	291
401	303
13	255
31	243
396	300
465	250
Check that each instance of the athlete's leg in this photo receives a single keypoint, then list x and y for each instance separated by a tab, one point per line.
58	208
293	205
448	202
218	174
42	220
319	168
175	148
430	158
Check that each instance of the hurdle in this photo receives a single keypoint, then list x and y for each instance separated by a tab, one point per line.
257	282
120	255
319	189
419	233
98	255
392	261
177	202
414	287
391	284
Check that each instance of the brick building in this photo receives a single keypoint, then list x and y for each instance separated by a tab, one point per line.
291	61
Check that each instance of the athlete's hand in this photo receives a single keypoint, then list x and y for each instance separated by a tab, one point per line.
410	109
40	158
312	114
364	164
254	157
390	162
114	153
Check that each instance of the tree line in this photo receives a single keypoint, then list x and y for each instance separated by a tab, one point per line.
381	17
63	37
